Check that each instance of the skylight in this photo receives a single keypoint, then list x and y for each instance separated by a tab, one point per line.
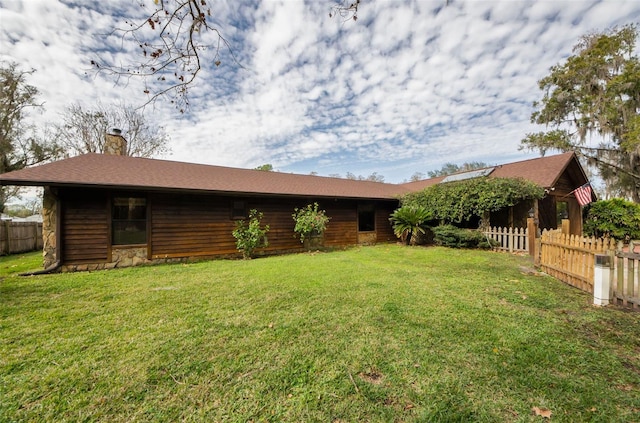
468	175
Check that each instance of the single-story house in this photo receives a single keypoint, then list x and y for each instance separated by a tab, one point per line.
108	210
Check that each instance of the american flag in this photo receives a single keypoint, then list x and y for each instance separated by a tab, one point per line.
583	194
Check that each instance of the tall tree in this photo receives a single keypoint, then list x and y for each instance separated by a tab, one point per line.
83	130
595	95
417	176
374	177
20	145
451	168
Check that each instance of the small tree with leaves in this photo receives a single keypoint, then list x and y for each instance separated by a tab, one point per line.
309	221
267	167
20	144
250	235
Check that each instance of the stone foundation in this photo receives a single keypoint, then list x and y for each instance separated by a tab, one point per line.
49	225
367	238
127	257
120	257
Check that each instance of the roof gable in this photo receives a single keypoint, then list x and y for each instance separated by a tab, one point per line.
544	171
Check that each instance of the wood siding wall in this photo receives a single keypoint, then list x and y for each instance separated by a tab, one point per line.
190	225
202	225
186	225
384	229
85	227
342	229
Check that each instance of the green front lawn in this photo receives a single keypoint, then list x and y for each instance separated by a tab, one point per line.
20	263
384	333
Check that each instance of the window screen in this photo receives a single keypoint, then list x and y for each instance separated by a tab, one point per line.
366	218
239	210
129	220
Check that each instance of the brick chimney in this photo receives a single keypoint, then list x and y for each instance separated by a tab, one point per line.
114	143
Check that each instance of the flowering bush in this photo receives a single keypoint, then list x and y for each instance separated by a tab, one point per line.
250	236
309	221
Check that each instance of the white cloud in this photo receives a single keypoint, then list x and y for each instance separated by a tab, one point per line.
409	86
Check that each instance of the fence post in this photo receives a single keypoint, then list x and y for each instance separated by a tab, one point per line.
602	280
532	233
512	238
7	233
566	226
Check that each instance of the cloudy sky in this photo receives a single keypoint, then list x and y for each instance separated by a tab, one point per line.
408	87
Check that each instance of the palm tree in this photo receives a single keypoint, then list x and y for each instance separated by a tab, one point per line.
409	222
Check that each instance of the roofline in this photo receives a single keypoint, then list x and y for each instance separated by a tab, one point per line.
564	167
198	191
572	157
393	190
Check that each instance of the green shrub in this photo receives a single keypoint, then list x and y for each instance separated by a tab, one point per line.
250	236
455	202
409	222
453	237
615	218
309	221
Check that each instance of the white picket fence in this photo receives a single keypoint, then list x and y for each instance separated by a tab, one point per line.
509	239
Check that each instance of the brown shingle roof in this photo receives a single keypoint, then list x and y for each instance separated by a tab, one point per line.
543	171
97	170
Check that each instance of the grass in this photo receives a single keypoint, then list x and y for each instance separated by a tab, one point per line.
384	333
20	263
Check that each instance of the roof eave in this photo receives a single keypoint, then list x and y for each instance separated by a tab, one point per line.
58	184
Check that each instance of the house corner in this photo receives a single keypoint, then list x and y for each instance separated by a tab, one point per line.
49	228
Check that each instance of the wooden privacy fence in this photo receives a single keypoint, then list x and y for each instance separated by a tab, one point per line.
626	275
571	258
19	237
509	239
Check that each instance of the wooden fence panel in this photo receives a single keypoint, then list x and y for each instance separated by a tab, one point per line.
571	258
626	276
20	237
509	239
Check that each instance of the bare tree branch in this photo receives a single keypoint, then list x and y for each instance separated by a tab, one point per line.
171	41
347	10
